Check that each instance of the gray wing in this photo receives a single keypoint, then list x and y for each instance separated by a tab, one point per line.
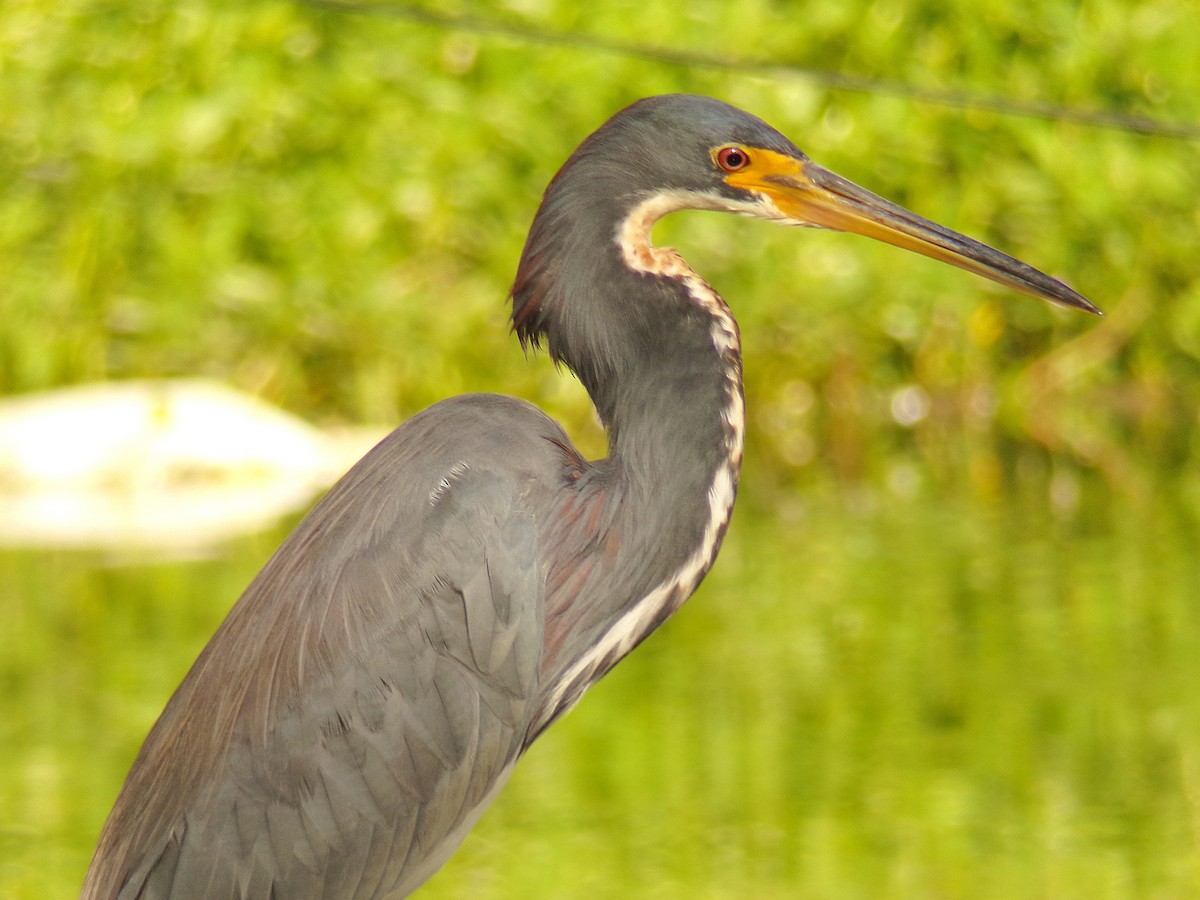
370	692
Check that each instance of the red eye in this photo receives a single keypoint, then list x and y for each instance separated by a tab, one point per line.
732	158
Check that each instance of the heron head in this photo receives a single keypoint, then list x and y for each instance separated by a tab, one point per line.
700	153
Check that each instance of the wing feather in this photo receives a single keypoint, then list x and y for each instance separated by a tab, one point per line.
369	693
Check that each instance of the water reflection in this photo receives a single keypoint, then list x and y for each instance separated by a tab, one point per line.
903	696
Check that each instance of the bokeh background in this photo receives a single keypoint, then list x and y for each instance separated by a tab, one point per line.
952	647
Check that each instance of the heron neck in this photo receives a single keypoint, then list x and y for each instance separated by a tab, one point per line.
675	420
658	504
655	347
676	401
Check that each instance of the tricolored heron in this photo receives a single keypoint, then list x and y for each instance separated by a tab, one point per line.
467	581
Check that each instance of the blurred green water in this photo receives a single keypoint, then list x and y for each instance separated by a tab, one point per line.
872	696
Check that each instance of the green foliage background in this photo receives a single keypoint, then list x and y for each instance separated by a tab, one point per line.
983	647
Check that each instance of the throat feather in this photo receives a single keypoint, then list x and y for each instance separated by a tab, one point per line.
642	615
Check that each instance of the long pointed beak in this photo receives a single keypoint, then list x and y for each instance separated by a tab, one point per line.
806	194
